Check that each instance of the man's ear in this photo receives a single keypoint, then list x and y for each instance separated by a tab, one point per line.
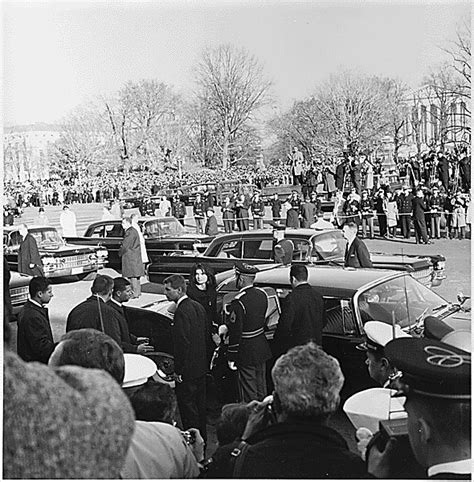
426	432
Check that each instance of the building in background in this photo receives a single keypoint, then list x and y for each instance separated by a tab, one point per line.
28	151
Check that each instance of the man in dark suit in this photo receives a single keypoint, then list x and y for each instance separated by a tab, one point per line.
131	254
357	255
419	208
29	259
190	338
303	318
211	223
122	292
34	337
94	312
248	347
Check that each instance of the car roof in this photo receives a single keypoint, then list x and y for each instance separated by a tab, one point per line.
328	280
299	232
11	229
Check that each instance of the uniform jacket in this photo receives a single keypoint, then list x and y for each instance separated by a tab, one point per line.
94	313
248	345
28	253
405	203
211	226
367	208
198	209
302	320
357	255
178	209
419	208
228	210
190	331
276	208
258	208
34	338
308	213
298	449
435	204
128	341
131	254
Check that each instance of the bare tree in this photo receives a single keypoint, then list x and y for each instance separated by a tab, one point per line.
232	84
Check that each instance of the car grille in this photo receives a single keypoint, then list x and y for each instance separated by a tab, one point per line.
19	296
74	261
423	275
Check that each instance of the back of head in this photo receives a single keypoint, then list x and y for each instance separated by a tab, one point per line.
120	284
62	423
90	348
299	272
154	402
231	423
176	281
102	285
307	382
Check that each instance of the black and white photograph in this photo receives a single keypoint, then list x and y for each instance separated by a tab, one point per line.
236	239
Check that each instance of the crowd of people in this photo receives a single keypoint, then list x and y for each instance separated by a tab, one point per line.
88	406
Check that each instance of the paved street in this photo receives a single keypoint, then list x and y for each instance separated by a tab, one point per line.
69	293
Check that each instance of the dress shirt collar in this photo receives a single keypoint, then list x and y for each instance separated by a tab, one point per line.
181	299
36	303
458	467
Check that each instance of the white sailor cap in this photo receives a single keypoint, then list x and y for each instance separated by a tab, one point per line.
138	369
378	334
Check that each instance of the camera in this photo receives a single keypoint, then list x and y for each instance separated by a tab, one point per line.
189	437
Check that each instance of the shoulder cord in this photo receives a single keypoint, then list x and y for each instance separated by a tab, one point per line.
100	314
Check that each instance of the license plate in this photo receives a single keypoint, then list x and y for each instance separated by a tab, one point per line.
78	270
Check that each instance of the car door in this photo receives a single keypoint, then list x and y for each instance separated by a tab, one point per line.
112	236
341	338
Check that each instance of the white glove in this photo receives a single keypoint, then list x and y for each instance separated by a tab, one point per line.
232	365
364	436
223	330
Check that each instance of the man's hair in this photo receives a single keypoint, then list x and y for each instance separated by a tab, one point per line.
308	381
91	348
127	219
154	402
23	225
102	284
37	284
176	281
120	284
299	272
450	419
351	225
231	424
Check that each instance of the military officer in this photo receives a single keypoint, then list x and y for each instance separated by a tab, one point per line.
436	381
248	347
377	335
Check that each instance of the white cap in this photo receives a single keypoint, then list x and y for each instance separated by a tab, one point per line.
379	334
138	369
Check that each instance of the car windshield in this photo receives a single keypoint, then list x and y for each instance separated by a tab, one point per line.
402	299
163	227
327	246
46	237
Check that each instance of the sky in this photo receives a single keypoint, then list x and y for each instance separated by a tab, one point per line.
58	54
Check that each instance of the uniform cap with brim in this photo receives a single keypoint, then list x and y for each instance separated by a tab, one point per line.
138	369
431	368
378	334
245	269
459	337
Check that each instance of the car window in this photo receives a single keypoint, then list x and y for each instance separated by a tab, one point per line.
301	250
258	248
327	246
230	249
340	319
97	232
400	300
114	231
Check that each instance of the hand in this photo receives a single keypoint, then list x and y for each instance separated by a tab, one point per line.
198	445
260	417
223	330
144	348
216	339
363	437
379	463
232	365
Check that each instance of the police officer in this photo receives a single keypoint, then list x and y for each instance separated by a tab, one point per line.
248	347
377	335
436	381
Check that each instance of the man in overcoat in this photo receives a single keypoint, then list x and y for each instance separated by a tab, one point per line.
357	255
130	252
29	259
191	335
